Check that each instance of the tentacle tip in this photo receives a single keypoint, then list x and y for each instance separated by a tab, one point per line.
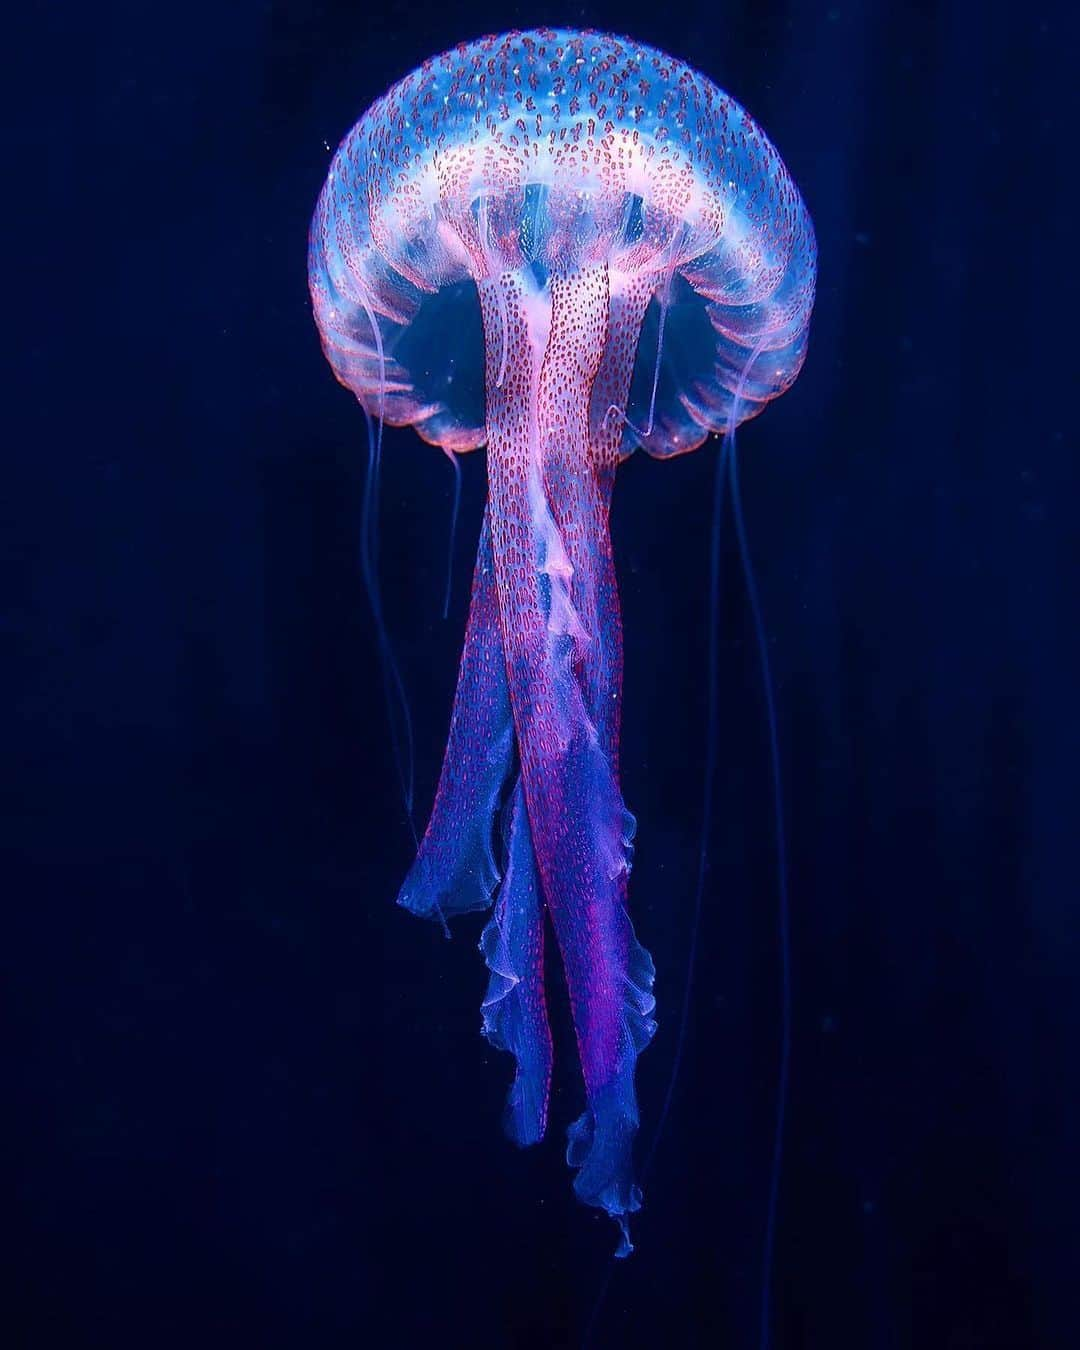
625	1247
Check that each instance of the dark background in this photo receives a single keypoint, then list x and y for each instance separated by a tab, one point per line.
248	1104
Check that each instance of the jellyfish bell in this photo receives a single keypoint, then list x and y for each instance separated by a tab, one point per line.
560	245
556	152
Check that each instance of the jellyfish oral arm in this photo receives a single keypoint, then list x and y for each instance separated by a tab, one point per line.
541	670
455	869
562	677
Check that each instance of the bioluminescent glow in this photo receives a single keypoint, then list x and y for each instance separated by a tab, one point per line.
560	245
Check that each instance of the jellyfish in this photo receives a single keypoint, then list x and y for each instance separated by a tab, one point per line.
559	245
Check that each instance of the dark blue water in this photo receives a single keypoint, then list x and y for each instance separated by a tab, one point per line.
247	1103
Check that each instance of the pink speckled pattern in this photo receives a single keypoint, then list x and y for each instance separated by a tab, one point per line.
572	183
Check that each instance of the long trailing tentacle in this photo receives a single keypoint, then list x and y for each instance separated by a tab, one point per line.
397	702
783	909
